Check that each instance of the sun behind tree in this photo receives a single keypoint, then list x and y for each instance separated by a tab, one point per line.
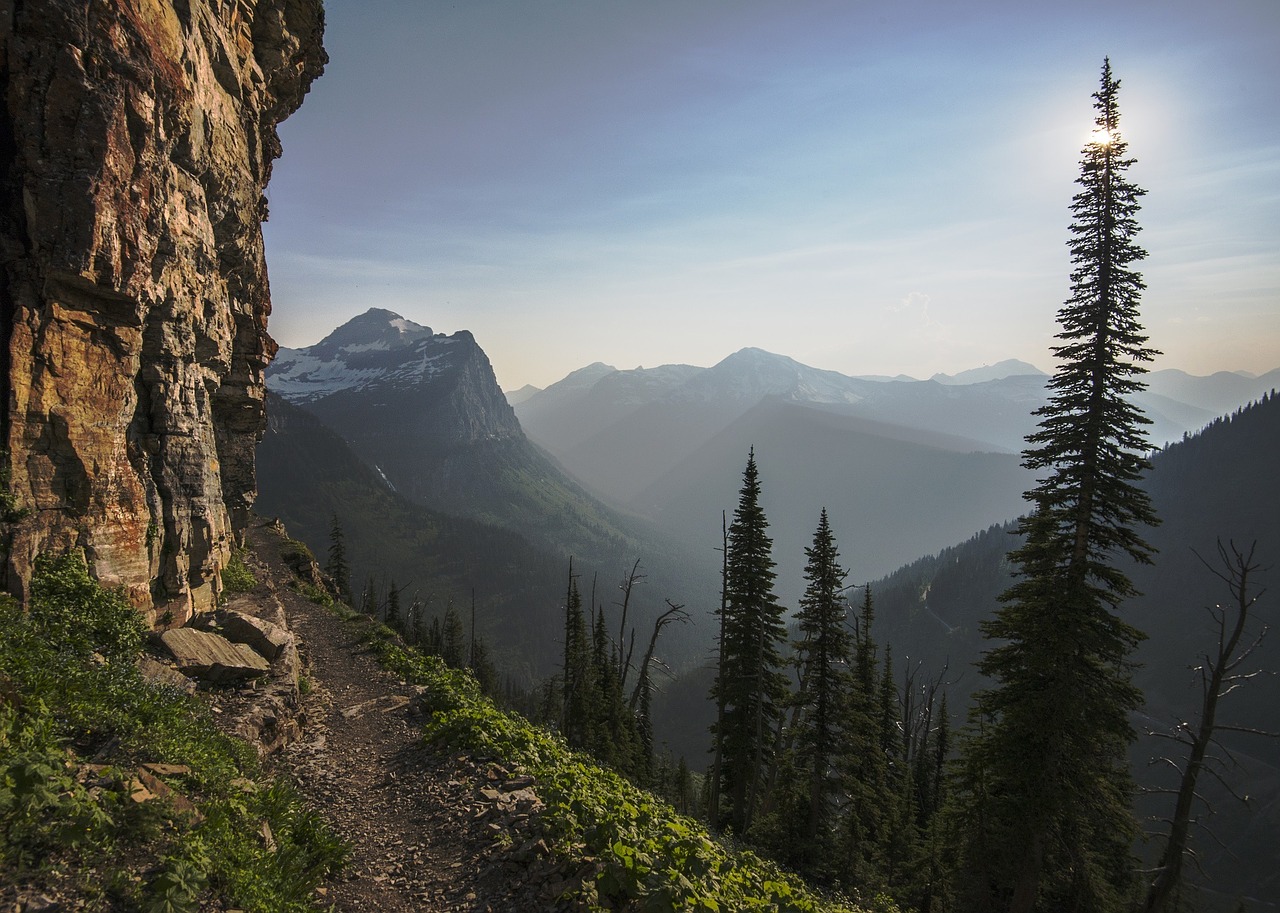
1047	788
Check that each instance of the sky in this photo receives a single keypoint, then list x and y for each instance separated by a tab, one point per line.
871	188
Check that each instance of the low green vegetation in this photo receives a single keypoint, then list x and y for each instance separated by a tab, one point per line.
121	794
236	576
641	850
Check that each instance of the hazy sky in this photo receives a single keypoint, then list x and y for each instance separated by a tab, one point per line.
874	188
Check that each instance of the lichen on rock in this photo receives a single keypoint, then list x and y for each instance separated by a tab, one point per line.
136	141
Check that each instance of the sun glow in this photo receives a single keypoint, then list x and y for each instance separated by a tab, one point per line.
1102	137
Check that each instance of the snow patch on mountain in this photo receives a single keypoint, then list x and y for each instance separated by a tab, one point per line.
301	377
377	348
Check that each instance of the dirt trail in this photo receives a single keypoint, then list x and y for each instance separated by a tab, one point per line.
422	834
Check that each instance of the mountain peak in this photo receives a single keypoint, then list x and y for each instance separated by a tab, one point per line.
376	348
1010	367
376	328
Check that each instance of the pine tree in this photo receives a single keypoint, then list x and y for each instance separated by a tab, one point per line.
749	680
453	646
336	567
393	619
824	657
614	738
1056	790
433	643
863	764
482	667
578	685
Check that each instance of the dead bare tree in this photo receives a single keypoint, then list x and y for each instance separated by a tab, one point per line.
1220	672
674	613
627	585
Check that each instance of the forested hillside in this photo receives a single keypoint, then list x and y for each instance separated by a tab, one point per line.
309	476
1219	484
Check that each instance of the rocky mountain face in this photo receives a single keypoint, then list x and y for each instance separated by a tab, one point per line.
136	140
411	402
426	412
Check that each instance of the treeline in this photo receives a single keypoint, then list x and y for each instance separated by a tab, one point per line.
601	699
824	756
435	634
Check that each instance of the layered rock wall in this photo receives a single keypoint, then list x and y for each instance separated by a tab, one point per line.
136	140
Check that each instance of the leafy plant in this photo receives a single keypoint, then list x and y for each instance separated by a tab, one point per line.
236	576
644	853
70	689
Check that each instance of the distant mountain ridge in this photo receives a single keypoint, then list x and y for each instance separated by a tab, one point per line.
602	423
621	432
1008	368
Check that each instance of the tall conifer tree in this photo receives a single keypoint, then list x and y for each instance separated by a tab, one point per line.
336	567
1055	802
824	657
578	682
749	679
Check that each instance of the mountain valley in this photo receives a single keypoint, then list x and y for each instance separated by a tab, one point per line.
405	437
344	626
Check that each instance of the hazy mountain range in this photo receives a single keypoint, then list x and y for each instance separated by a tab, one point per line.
904	466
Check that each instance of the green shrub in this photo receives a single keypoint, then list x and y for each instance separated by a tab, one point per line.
75	615
70	689
236	576
644	852
295	553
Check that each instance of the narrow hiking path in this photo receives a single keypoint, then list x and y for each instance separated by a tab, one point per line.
427	831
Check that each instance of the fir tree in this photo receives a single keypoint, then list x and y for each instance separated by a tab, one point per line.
749	680
453	646
614	739
577	681
1053	819
393	619
336	567
863	764
823	658
482	667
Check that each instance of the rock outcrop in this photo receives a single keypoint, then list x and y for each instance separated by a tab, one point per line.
136	140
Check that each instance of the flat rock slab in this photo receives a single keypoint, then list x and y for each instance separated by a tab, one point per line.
260	635
211	657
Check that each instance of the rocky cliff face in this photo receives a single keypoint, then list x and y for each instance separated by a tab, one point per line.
136	139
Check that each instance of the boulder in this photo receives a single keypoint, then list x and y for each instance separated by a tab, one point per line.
211	657
265	638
